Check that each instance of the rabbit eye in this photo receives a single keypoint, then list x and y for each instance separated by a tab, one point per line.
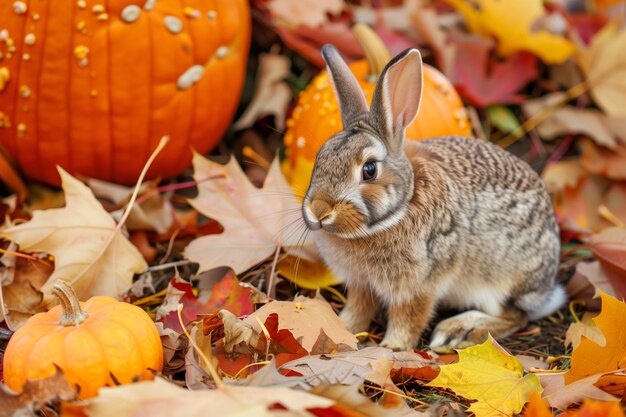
368	172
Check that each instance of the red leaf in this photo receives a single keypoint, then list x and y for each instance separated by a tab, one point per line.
227	294
485	80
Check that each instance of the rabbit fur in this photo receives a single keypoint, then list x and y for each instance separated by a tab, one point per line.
452	221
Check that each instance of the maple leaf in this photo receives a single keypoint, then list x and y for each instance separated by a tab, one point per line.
76	235
603	161
608	248
256	221
228	293
304	317
512	23
483	80
491	376
591	358
537	407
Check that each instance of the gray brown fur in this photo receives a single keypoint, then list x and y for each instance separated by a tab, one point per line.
449	221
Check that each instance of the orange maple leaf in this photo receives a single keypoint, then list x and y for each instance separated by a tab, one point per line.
592	408
591	358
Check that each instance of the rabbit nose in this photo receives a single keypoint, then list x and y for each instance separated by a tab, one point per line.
318	210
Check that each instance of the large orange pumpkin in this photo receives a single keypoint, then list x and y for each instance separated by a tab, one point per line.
316	115
97	343
92	85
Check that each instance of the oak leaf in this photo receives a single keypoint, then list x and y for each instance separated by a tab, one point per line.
512	23
256	221
76	235
491	376
590	358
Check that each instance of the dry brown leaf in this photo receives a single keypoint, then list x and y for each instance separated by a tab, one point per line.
563	174
272	95
605	130
605	66
256	221
237	331
585	328
561	396
198	375
586	282
35	394
155	213
304	318
174	347
20	291
159	398
602	161
76	235
312	13
353	367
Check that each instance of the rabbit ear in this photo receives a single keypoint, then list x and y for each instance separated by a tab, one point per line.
397	98
351	99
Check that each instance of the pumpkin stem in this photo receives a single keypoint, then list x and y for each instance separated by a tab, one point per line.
72	314
376	52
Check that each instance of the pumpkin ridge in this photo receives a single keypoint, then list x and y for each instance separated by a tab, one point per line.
102	355
103	342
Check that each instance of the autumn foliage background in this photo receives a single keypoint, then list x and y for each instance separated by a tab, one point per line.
211	249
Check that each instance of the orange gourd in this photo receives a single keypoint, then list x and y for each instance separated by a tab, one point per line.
92	342
92	85
316	117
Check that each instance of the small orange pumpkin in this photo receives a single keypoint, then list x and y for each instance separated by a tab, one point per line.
316	115
92	342
92	85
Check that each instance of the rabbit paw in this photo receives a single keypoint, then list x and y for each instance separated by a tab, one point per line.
459	332
395	345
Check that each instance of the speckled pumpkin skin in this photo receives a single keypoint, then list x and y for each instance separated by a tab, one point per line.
117	338
316	118
92	85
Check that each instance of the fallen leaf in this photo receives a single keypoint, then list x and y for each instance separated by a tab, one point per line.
272	95
591	408
355	366
492	377
256	221
483	80
512	23
311	13
20	287
305	317
154	213
306	274
197	373
608	248
174	347
503	118
602	161
562	396
160	398
591	358
34	395
228	293
537	407
583	328
588	280
561	120
75	235
605	66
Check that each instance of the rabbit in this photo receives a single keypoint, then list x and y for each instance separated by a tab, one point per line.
415	225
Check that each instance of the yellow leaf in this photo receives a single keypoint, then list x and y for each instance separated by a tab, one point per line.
512	22
305	274
75	235
488	374
590	358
